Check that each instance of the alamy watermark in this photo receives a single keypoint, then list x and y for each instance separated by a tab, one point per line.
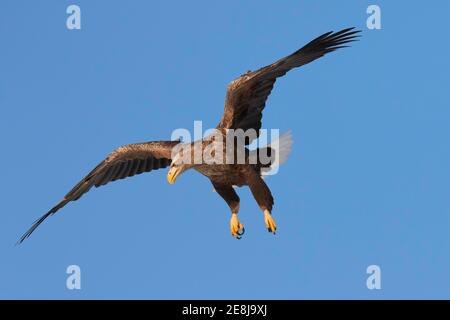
373	22
73	281
228	147
374	279
73	21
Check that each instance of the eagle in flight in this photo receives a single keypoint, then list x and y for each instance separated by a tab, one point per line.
245	101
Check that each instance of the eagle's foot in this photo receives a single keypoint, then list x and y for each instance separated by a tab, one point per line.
236	228
270	222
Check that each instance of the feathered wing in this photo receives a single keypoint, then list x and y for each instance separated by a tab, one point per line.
123	162
247	95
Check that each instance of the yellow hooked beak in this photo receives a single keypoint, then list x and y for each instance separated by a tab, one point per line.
172	174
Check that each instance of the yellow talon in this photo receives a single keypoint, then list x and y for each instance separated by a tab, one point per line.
236	228
270	222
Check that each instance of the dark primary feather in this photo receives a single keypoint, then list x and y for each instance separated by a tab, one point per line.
247	95
124	162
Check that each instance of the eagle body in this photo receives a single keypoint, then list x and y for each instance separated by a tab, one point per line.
244	104
225	173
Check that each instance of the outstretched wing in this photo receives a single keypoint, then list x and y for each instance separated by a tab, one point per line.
247	95
123	162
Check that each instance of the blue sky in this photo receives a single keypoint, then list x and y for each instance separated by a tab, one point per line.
367	181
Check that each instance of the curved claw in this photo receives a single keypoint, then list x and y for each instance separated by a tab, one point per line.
270	222
237	229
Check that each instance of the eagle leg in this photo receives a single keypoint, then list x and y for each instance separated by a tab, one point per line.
232	199
263	197
270	222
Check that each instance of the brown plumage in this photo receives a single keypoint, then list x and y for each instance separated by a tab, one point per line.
124	162
245	100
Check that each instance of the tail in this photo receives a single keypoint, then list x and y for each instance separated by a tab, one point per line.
284	145
278	150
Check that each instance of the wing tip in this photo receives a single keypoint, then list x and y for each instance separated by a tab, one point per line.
346	32
330	41
33	227
38	222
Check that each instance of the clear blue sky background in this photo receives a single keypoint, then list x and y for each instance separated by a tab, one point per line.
367	181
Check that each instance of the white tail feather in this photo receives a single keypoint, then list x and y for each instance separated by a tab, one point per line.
282	147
